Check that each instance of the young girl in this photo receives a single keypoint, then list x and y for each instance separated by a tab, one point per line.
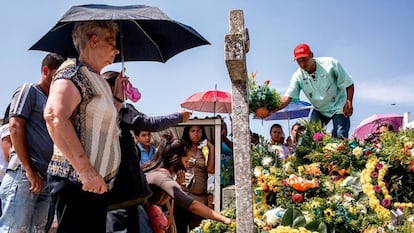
171	160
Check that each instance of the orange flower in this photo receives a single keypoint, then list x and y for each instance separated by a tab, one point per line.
262	112
301	184
312	169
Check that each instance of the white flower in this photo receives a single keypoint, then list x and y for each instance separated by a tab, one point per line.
257	171
274	216
267	161
275	148
331	146
288	167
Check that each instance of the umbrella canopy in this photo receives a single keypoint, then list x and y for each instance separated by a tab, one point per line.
146	33
370	124
292	111
209	101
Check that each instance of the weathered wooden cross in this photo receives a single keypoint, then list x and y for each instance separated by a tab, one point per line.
236	46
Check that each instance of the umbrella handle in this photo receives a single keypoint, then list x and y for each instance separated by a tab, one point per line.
121	45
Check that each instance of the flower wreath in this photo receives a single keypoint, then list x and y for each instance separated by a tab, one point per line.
374	186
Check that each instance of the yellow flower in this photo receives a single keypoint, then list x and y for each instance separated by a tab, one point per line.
315	204
205	151
300	169
408	144
329	212
273	170
357	152
206	226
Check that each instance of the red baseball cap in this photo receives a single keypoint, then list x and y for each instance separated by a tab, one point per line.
301	50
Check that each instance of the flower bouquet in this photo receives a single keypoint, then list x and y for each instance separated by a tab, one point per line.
262	99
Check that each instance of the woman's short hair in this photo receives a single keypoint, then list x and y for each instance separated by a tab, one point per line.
82	31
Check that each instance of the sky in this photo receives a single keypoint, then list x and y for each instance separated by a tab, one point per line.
372	39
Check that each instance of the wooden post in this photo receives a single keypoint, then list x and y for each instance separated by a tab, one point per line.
235	49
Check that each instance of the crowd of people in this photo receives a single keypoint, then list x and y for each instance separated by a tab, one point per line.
66	134
64	139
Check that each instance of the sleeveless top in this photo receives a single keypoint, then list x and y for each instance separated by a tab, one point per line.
95	122
198	170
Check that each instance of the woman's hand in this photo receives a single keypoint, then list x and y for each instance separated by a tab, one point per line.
180	177
118	90
228	221
92	181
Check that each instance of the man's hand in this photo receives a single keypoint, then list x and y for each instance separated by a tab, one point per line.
36	182
348	109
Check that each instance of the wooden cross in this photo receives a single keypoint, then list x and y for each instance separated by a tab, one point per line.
235	49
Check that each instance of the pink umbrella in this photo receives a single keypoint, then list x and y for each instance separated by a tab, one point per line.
209	101
370	124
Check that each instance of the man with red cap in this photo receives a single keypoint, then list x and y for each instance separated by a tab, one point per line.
327	86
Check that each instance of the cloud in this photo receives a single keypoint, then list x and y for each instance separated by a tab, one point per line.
387	90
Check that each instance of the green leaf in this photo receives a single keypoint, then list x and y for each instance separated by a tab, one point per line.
317	226
294	218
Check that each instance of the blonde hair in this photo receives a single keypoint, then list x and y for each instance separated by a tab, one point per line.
82	31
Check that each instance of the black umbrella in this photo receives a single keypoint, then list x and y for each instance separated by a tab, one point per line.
146	33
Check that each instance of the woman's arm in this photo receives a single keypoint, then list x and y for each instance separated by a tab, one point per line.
202	210
62	101
211	159
196	207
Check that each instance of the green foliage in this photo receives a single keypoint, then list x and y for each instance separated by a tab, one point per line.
307	144
211	226
227	172
261	95
318	226
294	218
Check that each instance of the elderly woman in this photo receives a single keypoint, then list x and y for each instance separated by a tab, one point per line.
82	122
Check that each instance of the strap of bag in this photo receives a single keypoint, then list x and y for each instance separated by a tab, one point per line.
170	214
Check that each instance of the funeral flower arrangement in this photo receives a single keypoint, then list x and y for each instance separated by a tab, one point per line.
262	98
335	185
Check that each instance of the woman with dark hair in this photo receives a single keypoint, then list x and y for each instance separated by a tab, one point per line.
170	160
202	164
277	138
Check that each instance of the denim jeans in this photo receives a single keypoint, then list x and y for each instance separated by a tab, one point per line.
23	211
341	123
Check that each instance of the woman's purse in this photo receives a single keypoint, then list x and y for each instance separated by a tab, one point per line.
160	223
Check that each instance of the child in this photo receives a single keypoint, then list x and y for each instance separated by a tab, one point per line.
143	139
